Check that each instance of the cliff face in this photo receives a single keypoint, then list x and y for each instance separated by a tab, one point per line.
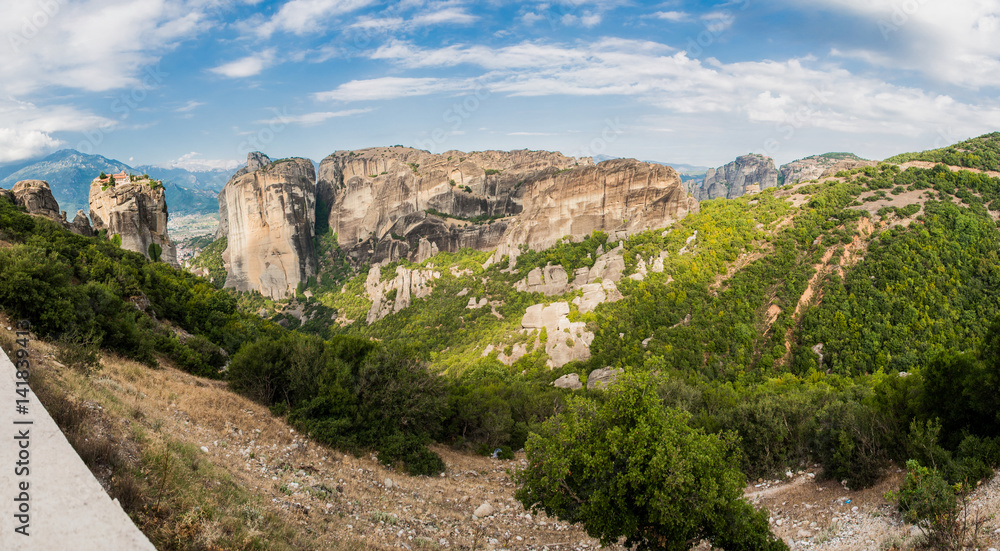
747	174
387	203
621	197
269	216
136	212
815	167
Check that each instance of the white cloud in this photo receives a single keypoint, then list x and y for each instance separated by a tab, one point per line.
391	88
795	93
674	16
954	41
446	16
310	119
191	105
26	130
307	16
530	18
93	45
247	66
194	162
718	21
18	145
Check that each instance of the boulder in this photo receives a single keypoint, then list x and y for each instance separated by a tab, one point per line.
602	378
484	510
81	224
570	381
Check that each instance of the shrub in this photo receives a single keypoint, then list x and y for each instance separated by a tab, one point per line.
633	468
926	500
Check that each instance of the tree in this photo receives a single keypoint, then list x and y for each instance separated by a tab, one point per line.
633	468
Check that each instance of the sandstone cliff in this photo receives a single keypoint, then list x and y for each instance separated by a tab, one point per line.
268	213
136	211
387	203
815	167
747	174
621	197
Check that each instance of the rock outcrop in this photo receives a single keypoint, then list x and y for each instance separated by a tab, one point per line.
817	166
81	224
387	203
36	198
570	381
599	379
268	213
136	211
621	197
565	341
391	296
747	174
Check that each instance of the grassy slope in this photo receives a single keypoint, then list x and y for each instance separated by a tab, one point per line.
981	153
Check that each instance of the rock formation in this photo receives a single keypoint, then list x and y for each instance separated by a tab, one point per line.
569	381
621	197
817	166
599	379
36	198
136	211
268	212
389	297
387	203
565	341
81	224
747	174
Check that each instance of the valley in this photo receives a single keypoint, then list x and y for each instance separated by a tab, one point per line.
373	333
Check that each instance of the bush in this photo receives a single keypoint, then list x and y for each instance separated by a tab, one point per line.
633	468
926	500
80	354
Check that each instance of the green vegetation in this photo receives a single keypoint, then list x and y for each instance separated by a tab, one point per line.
982	153
348	392
72	286
210	258
632	468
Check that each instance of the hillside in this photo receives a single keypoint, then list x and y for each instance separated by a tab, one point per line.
274	488
828	325
981	153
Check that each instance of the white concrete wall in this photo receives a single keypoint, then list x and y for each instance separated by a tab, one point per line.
69	510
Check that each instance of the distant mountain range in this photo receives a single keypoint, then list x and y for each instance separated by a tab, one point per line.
69	173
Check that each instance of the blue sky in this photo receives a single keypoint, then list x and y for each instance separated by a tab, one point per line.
199	83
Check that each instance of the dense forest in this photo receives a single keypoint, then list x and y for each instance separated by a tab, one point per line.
796	325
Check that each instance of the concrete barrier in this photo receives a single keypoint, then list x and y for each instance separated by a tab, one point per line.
46	491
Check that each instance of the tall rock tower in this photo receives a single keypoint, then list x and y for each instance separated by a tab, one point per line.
267	212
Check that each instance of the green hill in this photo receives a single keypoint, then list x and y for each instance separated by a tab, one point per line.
981	153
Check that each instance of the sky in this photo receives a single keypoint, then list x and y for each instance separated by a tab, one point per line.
198	84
